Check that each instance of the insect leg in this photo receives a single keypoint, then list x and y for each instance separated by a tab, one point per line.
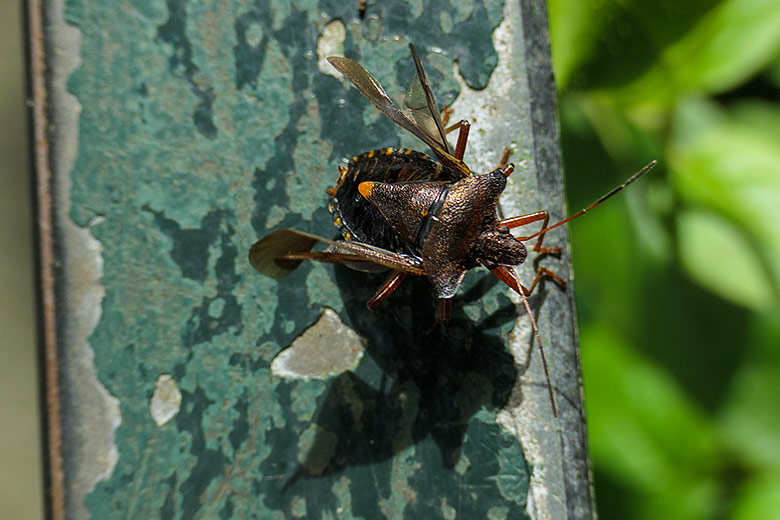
445	117
443	311
390	285
463	127
504	157
543	272
508	277
522	220
342	176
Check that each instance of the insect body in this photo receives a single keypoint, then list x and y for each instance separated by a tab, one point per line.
405	202
400	210
356	217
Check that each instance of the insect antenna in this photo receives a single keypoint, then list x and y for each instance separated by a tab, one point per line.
541	351
599	201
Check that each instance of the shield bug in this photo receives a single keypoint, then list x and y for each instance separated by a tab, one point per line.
402	211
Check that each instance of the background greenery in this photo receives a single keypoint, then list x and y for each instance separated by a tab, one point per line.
678	280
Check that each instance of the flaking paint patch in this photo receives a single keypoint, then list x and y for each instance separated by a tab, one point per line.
404	466
447	511
312	176
496	118
331	43
325	349
95	417
97	414
344	498
498	513
166	400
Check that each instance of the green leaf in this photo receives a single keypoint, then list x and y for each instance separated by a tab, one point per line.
716	54
645	432
718	256
751	415
728	167
575	29
651	52
759	498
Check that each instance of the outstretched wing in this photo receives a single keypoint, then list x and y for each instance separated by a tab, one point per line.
277	255
373	91
422	103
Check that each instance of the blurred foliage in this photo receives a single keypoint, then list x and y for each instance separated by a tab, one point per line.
678	280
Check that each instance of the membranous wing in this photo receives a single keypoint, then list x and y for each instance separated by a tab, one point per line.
422	104
277	255
430	131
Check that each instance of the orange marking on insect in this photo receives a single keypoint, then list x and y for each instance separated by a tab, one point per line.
388	151
365	189
370	154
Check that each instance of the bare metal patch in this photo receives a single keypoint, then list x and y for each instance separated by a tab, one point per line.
325	349
166	400
331	43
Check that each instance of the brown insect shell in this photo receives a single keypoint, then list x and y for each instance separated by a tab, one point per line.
453	225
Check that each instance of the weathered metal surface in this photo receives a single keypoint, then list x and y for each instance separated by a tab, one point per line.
194	127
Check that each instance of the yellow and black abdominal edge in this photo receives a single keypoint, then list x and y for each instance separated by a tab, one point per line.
359	220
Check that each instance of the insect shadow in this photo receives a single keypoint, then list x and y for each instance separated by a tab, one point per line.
429	382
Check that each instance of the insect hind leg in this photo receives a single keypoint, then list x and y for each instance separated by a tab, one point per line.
390	285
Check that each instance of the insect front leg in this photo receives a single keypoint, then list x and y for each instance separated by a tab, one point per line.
522	220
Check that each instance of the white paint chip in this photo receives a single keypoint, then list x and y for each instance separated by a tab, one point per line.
325	349
166	400
331	43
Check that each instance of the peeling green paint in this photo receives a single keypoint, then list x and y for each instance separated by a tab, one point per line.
321	288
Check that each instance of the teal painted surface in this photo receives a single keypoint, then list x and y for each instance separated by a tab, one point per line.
206	124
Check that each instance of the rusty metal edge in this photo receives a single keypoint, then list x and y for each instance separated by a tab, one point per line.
54	476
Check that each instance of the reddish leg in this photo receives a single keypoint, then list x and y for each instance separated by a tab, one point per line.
508	277
522	220
443	311
463	135
390	285
445	115
543	272
504	158
342	173
463	128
